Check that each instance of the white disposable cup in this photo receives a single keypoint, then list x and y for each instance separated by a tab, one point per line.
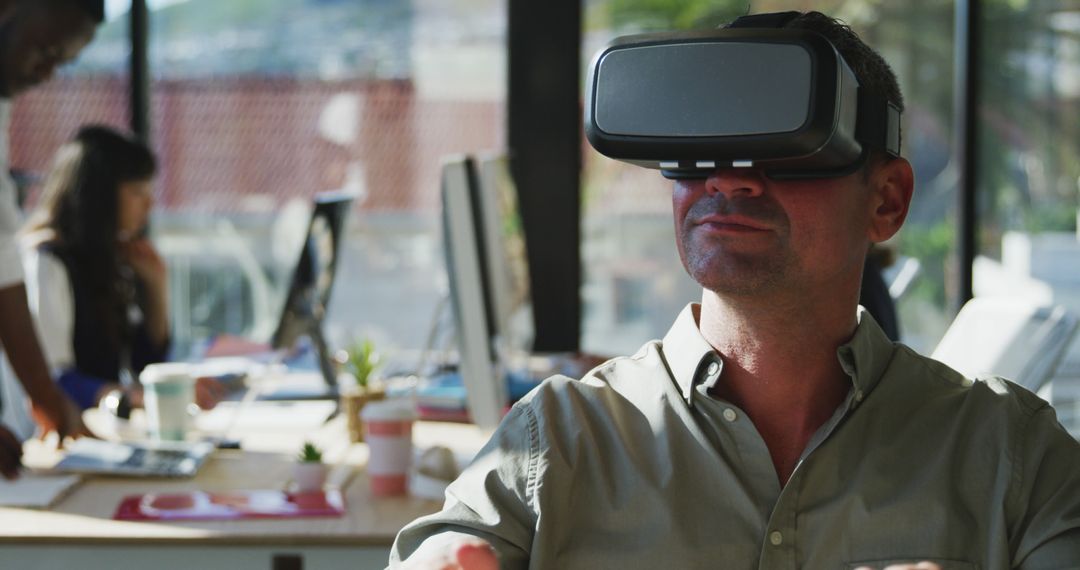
168	393
388	434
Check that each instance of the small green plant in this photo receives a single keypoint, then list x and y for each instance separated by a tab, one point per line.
310	454
362	360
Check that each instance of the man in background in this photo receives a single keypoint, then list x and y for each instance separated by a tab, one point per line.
37	37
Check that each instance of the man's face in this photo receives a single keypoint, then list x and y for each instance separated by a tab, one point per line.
39	39
740	233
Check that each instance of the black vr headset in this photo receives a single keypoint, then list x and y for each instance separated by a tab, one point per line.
750	95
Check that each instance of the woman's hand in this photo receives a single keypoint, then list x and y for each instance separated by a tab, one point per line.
208	392
144	260
149	267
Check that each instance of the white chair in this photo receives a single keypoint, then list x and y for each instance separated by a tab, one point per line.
1010	337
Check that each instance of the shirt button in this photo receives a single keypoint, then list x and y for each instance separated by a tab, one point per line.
776	538
730	415
858	395
713	369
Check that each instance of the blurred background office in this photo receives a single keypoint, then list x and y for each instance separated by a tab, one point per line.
255	105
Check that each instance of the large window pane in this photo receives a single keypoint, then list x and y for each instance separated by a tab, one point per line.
257	105
1029	175
92	89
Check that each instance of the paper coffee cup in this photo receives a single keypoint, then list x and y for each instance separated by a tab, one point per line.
168	393
388	433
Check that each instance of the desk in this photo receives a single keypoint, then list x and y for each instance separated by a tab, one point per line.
79	532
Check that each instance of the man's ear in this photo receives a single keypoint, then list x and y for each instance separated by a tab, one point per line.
891	185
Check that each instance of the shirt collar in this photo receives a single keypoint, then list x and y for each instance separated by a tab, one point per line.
866	356
690	357
686	351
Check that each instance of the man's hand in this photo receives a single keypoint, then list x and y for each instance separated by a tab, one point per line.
920	566
10	454
462	553
52	410
61	415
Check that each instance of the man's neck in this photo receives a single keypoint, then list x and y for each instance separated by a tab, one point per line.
780	364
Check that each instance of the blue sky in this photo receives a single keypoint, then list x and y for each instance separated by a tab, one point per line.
114	8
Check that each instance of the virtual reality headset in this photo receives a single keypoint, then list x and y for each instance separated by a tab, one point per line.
781	100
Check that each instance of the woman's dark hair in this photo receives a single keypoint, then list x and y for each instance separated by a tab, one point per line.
77	215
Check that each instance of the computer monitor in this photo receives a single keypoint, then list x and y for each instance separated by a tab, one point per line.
466	271
506	260
309	291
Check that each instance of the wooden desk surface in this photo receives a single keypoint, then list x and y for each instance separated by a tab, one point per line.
85	515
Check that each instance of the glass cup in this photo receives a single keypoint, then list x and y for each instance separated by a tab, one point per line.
168	394
388	433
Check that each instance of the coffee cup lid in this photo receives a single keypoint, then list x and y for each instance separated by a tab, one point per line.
165	372
389	410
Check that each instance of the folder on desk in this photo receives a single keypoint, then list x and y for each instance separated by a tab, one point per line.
36	491
230	505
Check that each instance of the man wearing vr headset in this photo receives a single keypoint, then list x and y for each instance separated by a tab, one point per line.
775	425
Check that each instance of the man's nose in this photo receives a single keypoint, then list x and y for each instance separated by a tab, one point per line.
731	182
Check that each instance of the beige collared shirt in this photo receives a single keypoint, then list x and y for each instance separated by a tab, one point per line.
637	466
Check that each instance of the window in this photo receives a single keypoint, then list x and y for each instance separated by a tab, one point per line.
256	106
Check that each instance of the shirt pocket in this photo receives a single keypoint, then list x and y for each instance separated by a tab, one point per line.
944	564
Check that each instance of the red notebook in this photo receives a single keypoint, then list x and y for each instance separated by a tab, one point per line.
230	505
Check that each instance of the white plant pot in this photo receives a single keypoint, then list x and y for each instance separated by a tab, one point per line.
309	476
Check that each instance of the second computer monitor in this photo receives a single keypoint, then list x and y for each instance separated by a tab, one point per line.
505	256
485	391
313	279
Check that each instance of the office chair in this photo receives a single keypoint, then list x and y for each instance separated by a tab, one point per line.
1008	337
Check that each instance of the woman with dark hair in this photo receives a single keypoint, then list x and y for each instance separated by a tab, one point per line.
96	284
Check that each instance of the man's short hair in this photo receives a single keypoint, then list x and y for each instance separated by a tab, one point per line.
93	8
96	9
872	71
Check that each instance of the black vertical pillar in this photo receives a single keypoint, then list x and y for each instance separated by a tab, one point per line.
544	134
966	110
140	70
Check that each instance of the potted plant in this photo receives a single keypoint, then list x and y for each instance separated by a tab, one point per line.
360	362
309	471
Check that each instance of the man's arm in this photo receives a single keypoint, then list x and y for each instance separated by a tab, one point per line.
488	511
10	454
52	410
1046	495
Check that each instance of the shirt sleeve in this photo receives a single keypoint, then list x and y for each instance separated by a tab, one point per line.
1049	474
52	304
492	499
82	388
11	270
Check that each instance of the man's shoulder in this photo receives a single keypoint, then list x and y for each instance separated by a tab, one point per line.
937	384
618	380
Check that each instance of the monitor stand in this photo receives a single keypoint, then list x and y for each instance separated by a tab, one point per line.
326	364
